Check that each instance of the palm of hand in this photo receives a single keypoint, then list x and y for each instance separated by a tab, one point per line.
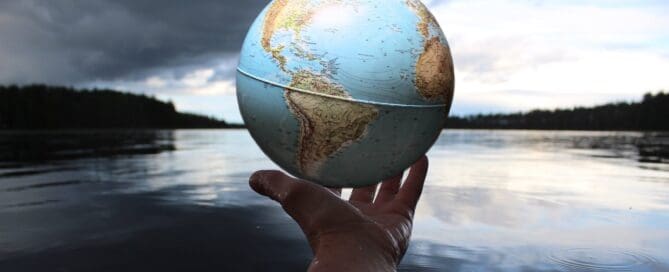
381	224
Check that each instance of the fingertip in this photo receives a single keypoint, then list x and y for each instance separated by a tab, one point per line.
364	194
394	178
255	181
420	166
413	186
423	161
258	181
389	188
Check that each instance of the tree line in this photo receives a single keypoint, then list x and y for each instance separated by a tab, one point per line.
650	114
49	107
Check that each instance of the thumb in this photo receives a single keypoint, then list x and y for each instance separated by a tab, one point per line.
309	204
272	184
300	199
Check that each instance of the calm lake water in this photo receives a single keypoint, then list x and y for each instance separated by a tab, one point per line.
179	201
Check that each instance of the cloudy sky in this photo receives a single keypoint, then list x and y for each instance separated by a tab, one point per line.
509	55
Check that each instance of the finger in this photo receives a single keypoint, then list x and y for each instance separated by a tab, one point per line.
312	206
412	188
297	197
273	184
389	189
364	194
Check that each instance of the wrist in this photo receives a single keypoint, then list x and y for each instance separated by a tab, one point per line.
355	251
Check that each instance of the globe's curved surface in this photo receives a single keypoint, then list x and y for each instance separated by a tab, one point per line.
345	93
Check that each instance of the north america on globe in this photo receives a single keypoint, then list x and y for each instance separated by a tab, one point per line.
345	92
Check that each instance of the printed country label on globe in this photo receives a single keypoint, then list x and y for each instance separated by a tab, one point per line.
345	93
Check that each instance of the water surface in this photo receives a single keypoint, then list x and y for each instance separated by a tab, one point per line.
179	200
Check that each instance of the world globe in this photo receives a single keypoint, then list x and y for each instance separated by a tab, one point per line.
345	93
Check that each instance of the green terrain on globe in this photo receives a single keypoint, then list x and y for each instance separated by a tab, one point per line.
345	92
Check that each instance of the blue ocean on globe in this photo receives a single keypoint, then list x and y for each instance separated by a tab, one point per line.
345	93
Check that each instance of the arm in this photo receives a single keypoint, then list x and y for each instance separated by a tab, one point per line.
369	232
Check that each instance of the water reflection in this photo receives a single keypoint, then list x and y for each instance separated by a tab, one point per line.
18	147
652	147
532	198
179	200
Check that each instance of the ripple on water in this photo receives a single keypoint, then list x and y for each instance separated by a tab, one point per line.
590	259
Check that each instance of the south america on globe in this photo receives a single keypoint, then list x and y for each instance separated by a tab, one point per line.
345	93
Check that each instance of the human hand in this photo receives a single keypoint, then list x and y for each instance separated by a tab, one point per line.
362	234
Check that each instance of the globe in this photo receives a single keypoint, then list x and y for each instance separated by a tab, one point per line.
345	93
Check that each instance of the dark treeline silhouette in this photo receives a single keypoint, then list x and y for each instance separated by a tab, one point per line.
46	107
652	113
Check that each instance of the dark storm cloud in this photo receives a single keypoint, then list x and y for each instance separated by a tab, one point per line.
73	41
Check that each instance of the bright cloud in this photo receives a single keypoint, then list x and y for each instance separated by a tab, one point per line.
220	87
155	82
518	55
197	78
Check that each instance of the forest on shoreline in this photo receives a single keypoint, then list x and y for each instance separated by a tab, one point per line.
650	114
49	107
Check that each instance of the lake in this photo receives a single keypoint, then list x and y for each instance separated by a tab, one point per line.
179	200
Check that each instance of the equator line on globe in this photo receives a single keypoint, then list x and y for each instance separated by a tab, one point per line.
345	93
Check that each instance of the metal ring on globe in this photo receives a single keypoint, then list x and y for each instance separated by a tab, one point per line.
240	70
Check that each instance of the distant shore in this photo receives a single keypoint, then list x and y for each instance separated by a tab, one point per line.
47	107
650	114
